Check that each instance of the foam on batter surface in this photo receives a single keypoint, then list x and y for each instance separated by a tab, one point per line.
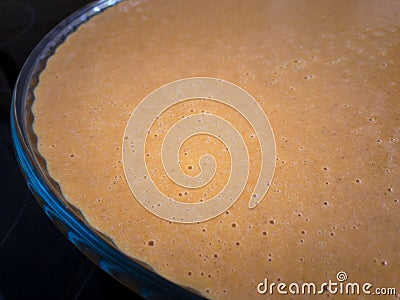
327	76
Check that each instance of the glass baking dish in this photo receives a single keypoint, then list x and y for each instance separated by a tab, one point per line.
99	248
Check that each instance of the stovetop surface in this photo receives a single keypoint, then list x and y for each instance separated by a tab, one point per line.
36	260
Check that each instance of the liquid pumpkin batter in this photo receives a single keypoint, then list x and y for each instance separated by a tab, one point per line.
327	76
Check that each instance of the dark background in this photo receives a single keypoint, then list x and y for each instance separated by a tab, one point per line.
36	260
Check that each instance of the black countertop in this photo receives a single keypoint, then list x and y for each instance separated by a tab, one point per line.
36	260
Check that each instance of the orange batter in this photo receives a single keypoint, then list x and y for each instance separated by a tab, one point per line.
327	75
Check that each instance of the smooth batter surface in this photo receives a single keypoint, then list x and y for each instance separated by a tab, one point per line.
327	75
